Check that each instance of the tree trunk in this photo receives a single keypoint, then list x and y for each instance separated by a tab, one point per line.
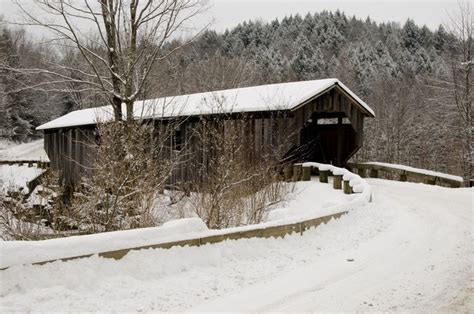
117	107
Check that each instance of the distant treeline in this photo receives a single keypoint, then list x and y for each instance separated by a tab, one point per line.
405	73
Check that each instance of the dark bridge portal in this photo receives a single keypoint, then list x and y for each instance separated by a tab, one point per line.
325	138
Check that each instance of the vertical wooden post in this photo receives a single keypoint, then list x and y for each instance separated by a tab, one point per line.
347	187
296	172
288	172
306	175
403	177
431	180
340	143
374	173
323	176
337	182
362	172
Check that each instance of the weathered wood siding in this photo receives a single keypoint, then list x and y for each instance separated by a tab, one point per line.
262	133
69	151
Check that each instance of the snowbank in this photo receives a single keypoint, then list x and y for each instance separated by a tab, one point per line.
310	198
25	252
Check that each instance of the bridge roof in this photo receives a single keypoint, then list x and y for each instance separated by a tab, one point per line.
272	97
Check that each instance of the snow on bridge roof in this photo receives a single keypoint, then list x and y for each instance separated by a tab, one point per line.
283	96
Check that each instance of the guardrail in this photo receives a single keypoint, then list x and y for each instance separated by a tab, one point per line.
343	179
268	232
404	173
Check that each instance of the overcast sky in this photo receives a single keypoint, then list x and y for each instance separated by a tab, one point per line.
228	13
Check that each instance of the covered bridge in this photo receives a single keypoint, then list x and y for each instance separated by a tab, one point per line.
319	120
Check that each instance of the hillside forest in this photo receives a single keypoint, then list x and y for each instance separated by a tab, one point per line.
416	79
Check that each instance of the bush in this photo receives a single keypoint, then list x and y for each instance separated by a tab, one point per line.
234	190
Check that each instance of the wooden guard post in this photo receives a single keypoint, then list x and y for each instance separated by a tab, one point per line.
337	182
306	174
347	187
323	176
297	169
288	172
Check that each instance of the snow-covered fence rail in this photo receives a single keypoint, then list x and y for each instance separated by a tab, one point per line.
404	173
342	178
39	163
111	244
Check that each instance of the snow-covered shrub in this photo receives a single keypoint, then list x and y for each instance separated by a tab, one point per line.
233	197
235	188
38	214
122	182
17	220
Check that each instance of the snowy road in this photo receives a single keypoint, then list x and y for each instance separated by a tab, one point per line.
409	250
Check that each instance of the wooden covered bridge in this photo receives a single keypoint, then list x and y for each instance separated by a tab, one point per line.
320	120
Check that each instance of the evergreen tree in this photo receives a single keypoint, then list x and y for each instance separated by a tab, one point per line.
307	62
412	38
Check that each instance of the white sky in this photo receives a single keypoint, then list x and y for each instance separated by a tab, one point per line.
228	13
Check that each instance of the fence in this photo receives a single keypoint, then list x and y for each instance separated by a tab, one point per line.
404	173
39	163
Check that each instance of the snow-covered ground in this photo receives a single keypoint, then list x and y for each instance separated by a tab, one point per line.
16	176
411	249
27	151
303	203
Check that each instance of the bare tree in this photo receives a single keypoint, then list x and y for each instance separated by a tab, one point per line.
128	39
455	88
127	170
462	27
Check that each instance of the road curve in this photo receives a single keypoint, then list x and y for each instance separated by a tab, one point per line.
409	250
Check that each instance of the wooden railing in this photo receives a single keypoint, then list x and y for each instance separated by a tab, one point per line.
30	163
304	171
402	173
